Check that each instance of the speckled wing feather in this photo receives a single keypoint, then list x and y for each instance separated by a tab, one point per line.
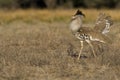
103	23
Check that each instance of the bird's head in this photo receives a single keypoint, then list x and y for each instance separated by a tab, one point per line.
78	14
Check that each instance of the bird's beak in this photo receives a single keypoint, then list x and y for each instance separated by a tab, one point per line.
73	17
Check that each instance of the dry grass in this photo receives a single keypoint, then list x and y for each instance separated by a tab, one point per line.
39	51
52	15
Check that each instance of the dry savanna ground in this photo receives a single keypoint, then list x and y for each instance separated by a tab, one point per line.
38	45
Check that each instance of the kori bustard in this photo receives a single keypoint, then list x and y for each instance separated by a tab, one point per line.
87	34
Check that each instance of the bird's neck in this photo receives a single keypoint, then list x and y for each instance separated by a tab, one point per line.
75	25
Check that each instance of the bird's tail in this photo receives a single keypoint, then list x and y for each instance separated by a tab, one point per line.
103	23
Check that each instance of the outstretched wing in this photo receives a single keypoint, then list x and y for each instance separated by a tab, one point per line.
103	23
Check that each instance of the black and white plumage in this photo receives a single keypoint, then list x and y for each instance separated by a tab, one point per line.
87	34
103	23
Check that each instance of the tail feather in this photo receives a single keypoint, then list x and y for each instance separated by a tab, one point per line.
103	23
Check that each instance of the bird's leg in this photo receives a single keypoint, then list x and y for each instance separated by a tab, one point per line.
88	41
81	48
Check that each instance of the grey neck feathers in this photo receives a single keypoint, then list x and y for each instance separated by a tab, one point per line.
76	24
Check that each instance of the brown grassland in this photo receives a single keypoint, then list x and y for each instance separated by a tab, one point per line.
38	45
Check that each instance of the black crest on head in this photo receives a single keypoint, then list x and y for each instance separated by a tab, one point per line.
79	13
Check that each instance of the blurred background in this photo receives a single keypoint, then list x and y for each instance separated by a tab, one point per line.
42	10
53	4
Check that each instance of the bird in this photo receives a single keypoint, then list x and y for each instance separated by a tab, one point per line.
86	34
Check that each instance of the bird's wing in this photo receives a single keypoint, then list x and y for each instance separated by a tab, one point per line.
103	23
